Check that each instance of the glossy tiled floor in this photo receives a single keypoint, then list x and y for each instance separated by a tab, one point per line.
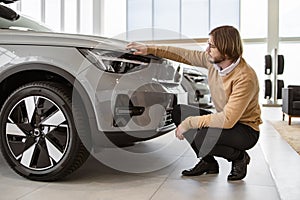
272	174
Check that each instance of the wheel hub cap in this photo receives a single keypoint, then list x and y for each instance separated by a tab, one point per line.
37	133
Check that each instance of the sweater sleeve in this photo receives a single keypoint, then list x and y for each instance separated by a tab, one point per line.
239	104
190	57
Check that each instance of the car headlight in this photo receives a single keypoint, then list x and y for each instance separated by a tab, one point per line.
114	61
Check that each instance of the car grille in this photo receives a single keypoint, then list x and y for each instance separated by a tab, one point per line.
166	119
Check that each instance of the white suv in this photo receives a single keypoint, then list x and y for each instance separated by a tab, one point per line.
63	95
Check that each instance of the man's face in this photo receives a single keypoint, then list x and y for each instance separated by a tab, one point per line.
215	56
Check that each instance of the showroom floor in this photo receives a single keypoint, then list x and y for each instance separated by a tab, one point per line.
272	174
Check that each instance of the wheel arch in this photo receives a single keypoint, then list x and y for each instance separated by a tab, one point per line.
19	75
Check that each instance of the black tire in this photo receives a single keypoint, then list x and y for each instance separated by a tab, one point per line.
38	135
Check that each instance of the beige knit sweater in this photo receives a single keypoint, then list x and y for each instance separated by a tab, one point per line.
235	95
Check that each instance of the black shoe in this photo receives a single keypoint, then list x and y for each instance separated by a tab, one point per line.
239	168
201	168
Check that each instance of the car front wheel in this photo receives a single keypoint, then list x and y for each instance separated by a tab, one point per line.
38	135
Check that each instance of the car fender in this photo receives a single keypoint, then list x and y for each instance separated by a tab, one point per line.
36	66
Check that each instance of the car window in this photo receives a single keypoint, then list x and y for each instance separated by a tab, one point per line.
23	23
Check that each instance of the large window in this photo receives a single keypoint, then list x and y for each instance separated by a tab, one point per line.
177	19
224	13
115	18
166	19
290	50
32	8
254	18
195	18
53	14
289	15
72	16
86	17
139	28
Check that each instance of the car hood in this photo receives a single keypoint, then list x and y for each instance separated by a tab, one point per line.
59	39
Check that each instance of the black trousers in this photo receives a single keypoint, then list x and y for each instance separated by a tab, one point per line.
208	142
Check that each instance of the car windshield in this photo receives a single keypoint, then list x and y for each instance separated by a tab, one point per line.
23	23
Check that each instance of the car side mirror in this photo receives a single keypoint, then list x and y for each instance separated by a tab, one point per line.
8	13
7	1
